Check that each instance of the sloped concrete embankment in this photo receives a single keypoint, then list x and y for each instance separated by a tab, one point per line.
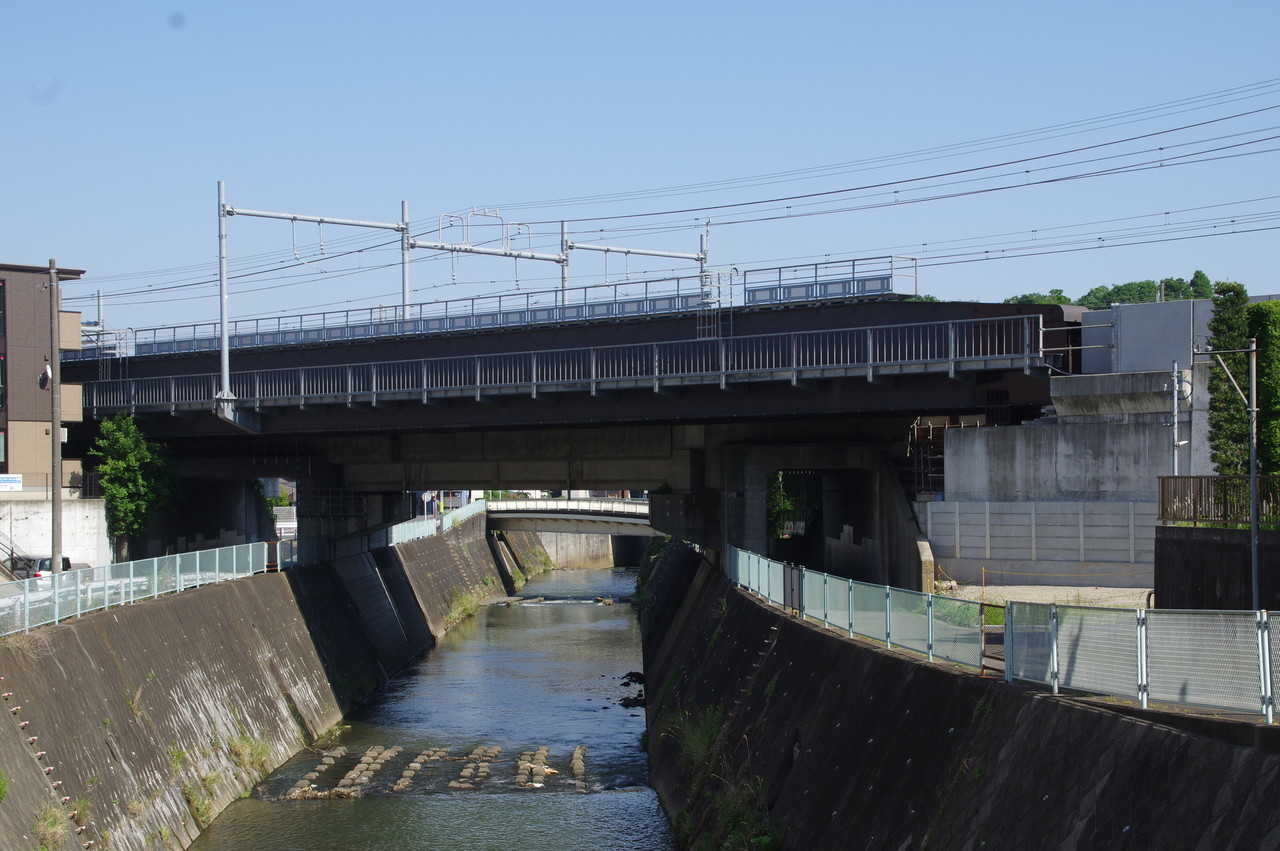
150	718
764	726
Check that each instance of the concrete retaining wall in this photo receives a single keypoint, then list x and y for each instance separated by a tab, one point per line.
760	723
1109	544
155	716
572	550
29	524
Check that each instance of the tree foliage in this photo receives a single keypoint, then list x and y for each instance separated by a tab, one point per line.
1228	415
1133	292
1054	297
135	474
1264	325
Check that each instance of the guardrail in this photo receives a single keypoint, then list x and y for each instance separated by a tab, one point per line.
31	603
1214	659
933	347
838	279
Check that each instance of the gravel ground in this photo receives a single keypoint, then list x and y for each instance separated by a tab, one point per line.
1125	598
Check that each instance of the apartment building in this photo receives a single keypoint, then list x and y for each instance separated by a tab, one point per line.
26	451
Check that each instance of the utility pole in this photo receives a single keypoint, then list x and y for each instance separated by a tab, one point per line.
55	419
1251	403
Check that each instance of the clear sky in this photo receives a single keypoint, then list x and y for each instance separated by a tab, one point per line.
1060	128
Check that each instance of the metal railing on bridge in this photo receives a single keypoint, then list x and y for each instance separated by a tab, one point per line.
836	279
947	347
597	505
1214	659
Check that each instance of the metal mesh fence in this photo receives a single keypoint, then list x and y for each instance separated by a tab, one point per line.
957	633
1224	660
869	611
1098	650
1028	647
909	615
1205	658
44	600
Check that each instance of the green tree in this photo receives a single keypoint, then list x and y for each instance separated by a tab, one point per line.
1054	297
1228	418
1264	326
136	477
1200	286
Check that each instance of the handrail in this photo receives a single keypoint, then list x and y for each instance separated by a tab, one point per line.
949	346
590	505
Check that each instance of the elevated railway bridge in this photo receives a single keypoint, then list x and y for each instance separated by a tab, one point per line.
655	389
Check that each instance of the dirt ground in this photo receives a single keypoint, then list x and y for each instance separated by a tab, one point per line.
1125	598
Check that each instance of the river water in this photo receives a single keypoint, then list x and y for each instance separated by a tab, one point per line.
521	678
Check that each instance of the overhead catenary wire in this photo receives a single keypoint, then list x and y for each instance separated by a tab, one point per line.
635	225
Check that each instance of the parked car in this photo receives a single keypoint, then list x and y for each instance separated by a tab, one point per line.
35	567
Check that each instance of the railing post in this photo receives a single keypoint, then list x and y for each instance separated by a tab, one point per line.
1144	687
55	580
928	609
78	609
106	587
26	605
1009	631
1053	647
888	618
825	621
217	565
1264	666
178	573
155	578
849	592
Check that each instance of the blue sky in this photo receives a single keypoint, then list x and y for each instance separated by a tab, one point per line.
122	118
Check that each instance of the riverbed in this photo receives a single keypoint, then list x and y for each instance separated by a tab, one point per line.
517	678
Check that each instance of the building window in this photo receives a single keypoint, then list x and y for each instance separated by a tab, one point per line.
4	384
1	307
4	452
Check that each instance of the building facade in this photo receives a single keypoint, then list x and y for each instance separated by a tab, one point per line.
26	407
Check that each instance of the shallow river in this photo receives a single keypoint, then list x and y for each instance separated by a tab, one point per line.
520	678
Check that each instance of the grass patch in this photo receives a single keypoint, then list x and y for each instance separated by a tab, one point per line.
740	817
210	779
248	753
50	827
462	605
134	808
176	755
699	734
201	806
133	700
81	806
330	737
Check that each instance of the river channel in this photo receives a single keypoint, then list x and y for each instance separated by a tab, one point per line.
538	675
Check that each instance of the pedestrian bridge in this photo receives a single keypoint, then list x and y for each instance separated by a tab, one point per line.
586	516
